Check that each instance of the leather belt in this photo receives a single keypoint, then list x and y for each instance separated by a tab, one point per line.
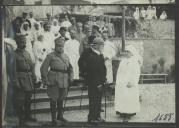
59	70
23	71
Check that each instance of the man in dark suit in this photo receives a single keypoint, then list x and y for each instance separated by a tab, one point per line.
92	69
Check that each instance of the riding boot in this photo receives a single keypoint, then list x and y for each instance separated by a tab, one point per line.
53	112
60	111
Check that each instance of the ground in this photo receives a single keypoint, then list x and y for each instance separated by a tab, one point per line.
158	102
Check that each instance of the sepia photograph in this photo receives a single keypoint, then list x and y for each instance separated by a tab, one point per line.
88	65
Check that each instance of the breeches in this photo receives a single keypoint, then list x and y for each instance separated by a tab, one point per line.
22	103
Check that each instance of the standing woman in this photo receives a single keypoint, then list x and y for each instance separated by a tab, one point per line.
25	30
127	102
40	52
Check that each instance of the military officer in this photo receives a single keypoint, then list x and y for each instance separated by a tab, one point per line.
24	77
93	70
57	79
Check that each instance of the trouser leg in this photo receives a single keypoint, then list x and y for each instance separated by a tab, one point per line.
92	103
27	104
18	103
98	104
18	106
91	108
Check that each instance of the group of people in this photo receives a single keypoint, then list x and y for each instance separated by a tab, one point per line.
54	56
149	14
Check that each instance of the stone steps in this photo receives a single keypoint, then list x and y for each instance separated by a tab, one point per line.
72	95
44	107
42	101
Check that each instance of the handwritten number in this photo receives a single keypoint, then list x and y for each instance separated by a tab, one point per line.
170	116
163	117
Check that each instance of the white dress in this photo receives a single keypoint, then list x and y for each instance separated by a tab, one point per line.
127	98
40	52
29	39
109	52
49	41
71	48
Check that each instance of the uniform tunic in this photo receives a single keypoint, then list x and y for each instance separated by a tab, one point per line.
59	75
23	73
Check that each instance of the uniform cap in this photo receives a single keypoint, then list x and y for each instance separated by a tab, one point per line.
63	29
19	36
88	28
59	41
96	27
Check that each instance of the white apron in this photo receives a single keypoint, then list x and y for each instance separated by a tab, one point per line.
71	48
40	52
109	52
49	41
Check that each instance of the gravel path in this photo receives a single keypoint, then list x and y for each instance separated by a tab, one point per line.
156	99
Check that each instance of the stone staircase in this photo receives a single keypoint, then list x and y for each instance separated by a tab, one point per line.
42	104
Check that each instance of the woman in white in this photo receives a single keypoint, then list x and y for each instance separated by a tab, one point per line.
127	101
149	13
25	30
163	16
108	52
48	37
136	13
71	48
40	52
55	27
154	13
37	30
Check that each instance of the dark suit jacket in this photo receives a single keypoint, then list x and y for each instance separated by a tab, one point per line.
92	67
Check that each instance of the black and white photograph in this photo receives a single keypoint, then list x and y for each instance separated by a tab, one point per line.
88	65
113	1
85	2
27	2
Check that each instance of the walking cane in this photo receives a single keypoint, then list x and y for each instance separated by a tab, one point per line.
66	99
105	97
81	98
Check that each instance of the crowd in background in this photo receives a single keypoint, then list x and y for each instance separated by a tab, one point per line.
40	35
150	13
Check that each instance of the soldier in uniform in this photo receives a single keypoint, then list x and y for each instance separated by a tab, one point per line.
92	69
57	79
24	77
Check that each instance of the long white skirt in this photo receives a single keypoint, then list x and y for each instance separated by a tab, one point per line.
127	98
109	70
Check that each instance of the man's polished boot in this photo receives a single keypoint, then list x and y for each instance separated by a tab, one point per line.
53	112
60	112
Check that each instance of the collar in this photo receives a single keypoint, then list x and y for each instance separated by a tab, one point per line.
97	52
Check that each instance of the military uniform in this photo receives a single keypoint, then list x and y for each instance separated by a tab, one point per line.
23	83
57	80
